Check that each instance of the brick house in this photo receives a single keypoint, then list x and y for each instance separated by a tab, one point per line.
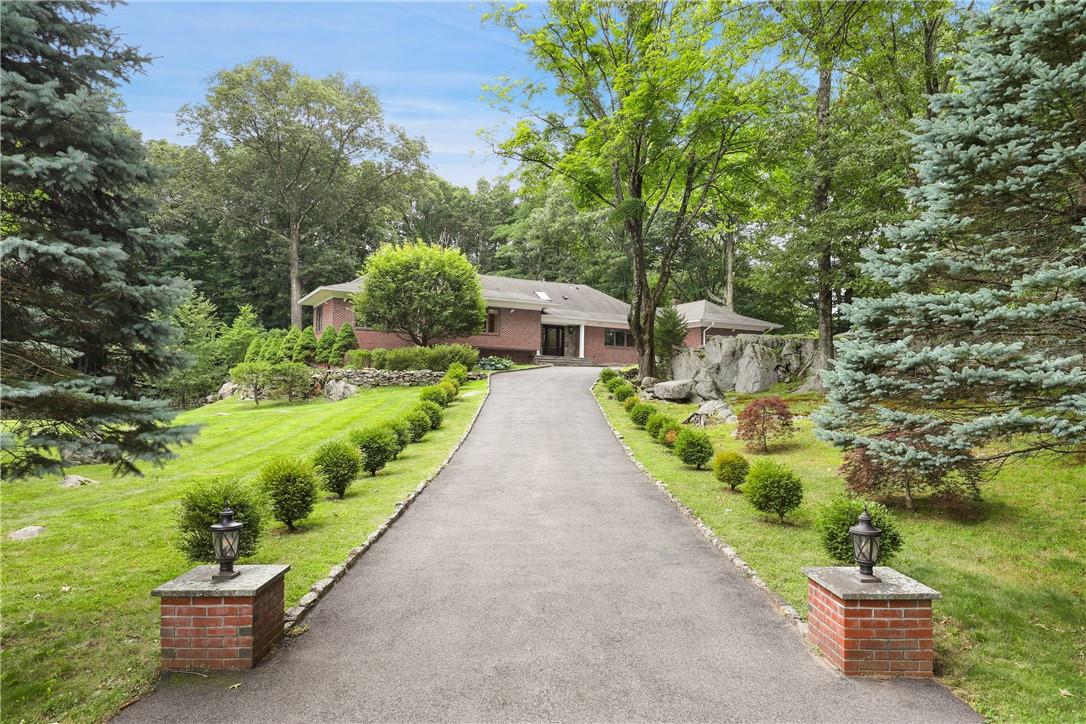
705	319
528	319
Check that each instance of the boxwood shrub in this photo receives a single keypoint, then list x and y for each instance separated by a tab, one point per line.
419	422
434	394
607	374
640	413
200	507
630	402
668	432
835	518
291	487
378	445
652	425
337	463
773	488
730	468
624	391
693	447
432	411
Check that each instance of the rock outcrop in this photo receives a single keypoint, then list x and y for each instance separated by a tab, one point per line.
743	363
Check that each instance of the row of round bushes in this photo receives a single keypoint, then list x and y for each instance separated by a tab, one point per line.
769	486
287	487
436	357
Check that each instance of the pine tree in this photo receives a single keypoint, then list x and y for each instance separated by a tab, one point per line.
306	348
200	345
86	309
978	356
235	340
272	344
256	347
324	345
286	350
670	332
345	341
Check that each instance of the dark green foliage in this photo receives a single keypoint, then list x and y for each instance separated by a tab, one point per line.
358	359
614	383
402	428
86	304
345	342
325	342
378	357
458	371
378	445
290	343
200	508
730	468
400	438
420	424
835	518
433	411
495	363
435	395
235	338
773	488
337	463
693	447
305	351
670	333
640	413
630	402
652	425
291	380
291	486
607	374
668	432
622	392
438	357
422	291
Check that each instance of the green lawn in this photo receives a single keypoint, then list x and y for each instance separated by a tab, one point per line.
80	628
1011	628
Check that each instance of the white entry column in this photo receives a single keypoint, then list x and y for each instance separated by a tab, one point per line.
580	343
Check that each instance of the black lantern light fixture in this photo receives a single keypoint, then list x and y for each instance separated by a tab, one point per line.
226	539
865	545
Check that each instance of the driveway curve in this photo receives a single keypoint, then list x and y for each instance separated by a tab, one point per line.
542	577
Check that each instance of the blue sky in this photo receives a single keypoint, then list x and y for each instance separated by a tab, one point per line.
427	62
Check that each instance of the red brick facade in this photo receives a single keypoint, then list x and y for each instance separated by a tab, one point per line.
518	336
221	632
871	637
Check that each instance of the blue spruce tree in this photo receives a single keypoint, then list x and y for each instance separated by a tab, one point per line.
977	355
85	311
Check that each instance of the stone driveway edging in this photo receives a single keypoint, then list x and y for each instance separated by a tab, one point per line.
784	609
295	615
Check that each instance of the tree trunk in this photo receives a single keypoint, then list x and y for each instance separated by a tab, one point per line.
820	202
729	262
295	276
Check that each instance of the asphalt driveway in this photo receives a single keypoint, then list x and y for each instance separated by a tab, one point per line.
541	577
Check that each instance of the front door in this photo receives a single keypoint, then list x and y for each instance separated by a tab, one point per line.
554	340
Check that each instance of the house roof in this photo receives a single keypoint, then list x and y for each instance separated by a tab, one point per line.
560	302
704	313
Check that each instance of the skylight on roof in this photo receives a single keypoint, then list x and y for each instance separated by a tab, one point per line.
543	295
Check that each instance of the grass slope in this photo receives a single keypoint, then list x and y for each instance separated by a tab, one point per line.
1011	628
80	629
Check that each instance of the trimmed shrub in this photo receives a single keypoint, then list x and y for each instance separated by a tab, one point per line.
630	402
458	371
378	445
420	424
286	349
640	413
773	488
669	432
614	383
652	425
305	350
377	357
252	354
607	374
337	463
835	518
434	394
358	359
291	380
402	431
438	357
433	411
325	342
693	447
623	392
451	381
450	389
291	486
495	363
765	419
344	342
200	507
730	468
252	376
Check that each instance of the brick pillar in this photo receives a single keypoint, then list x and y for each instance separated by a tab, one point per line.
228	625
871	629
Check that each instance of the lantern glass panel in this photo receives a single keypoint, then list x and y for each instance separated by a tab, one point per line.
217	540
230	543
873	550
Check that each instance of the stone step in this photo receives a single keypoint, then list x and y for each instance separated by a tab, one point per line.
558	361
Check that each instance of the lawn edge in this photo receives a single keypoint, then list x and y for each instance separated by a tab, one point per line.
784	609
294	616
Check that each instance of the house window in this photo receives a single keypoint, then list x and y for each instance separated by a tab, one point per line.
492	321
617	338
318	317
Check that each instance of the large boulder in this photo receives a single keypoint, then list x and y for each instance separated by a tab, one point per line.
675	390
336	390
647	383
744	363
713	412
227	389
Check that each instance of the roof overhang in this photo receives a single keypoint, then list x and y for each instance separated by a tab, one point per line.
579	318
320	295
736	326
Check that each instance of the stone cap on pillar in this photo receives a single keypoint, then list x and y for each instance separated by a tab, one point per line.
197	582
844	582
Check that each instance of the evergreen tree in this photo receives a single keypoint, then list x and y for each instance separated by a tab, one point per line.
272	344
345	341
977	355
256	347
670	333
199	346
86	310
305	349
325	343
235	340
286	350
